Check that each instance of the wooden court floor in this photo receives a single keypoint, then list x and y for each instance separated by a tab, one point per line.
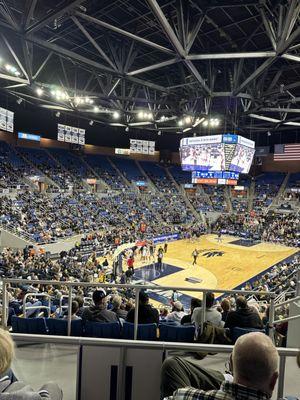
220	265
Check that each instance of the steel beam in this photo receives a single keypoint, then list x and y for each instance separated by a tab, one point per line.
291	57
124	33
15	57
55	14
93	64
13	78
93	42
287	44
5	11
266	64
269	29
223	56
153	67
192	35
279	109
30	12
289	22
41	67
176	43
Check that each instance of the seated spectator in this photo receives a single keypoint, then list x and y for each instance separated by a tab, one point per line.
212	315
99	312
116	307
244	316
254	364
80	302
147	314
225	306
75	309
11	389
177	312
187	319
163	313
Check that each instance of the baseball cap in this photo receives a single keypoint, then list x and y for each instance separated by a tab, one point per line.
98	295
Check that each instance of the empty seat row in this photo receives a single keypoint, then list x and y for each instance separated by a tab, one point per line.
51	326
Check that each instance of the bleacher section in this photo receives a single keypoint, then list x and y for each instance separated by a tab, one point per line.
8	178
159	177
128	168
72	163
180	176
217	197
103	168
266	189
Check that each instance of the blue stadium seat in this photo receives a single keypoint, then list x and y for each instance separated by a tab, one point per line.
59	327
29	325
103	330
236	332
145	331
171	333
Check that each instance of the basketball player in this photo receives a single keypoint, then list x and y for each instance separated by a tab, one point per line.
219	238
195	254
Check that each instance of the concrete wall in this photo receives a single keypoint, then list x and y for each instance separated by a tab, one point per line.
8	239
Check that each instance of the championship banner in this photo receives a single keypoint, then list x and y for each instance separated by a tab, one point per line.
70	134
142	146
6	120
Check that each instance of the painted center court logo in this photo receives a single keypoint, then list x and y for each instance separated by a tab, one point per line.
209	254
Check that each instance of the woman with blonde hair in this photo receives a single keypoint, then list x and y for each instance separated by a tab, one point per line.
11	389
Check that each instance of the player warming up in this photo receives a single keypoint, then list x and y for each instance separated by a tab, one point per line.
195	254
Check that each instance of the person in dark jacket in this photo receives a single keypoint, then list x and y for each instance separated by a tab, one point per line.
147	314
243	317
98	312
187	319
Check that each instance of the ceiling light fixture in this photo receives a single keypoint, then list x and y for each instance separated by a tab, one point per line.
39	91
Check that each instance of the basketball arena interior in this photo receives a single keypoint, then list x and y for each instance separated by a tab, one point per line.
149	199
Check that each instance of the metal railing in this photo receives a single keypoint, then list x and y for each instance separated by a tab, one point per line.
40	307
137	289
163	346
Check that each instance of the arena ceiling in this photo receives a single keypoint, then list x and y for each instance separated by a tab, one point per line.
160	65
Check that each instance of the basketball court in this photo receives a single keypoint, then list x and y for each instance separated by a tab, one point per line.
224	265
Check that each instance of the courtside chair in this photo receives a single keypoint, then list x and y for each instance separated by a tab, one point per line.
35	326
109	330
145	331
59	327
236	332
172	333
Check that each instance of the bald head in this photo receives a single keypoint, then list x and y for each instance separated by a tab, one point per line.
255	362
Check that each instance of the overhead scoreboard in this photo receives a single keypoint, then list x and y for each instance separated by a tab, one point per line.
217	159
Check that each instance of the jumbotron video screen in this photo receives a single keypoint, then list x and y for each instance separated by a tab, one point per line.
215	155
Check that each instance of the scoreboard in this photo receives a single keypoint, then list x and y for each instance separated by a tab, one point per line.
215	177
228	152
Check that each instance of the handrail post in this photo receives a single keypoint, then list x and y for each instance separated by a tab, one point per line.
271	318
298	283
24	305
69	310
203	312
280	389
4	305
136	312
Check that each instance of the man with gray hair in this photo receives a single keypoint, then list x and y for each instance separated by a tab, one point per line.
254	364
